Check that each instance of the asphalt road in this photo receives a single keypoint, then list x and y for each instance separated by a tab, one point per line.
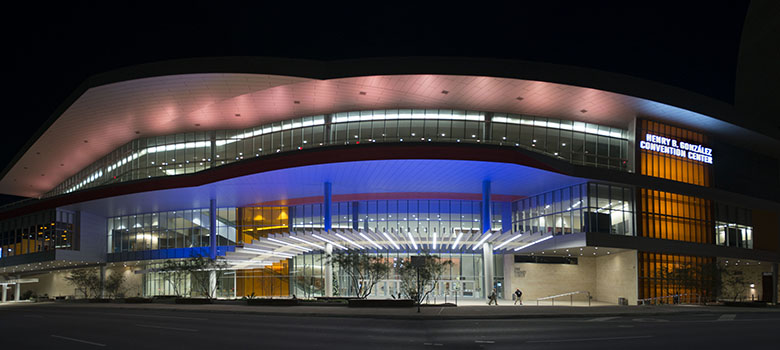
38	327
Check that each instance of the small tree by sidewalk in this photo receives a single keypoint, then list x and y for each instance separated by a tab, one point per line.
114	284
734	284
198	269
86	282
417	282
683	279
364	270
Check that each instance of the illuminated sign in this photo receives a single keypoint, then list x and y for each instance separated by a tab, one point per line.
676	148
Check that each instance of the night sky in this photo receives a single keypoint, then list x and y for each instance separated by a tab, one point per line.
50	50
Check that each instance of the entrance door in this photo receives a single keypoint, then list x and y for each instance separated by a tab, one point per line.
766	288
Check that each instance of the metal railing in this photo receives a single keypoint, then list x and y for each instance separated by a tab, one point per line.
674	298
569	294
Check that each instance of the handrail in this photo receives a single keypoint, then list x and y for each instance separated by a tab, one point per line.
570	294
648	300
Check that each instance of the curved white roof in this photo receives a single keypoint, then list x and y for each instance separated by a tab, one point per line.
107	116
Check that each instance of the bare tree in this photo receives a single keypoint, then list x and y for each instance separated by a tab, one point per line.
364	270
114	283
173	273
86	281
417	282
198	269
733	282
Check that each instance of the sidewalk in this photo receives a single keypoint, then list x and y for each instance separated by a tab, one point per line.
506	311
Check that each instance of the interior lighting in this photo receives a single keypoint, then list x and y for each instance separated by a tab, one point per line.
484	238
534	242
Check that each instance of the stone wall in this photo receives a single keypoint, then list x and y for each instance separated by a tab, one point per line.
616	276
606	278
54	284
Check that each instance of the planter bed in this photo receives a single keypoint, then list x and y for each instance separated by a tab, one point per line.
198	301
272	302
99	300
746	303
137	300
381	303
440	305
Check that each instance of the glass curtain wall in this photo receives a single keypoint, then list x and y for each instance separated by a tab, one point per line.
573	141
677	217
733	226
463	279
588	207
169	229
423	217
162	283
186	153
38	232
668	278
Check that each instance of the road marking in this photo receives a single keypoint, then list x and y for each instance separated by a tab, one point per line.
727	317
602	319
158	316
484	341
649	320
171	328
587	339
78	340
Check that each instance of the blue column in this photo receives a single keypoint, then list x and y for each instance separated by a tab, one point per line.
355	215
326	203
506	217
213	228
486	214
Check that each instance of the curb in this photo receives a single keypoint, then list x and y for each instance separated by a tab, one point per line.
441	317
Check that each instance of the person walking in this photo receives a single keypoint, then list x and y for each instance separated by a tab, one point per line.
517	295
493	297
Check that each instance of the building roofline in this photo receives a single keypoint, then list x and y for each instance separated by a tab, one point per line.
323	70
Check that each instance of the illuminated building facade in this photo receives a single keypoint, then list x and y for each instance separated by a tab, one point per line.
523	180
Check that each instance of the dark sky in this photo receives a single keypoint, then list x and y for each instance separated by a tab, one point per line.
53	48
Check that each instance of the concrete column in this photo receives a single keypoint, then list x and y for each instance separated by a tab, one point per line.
487	267
17	291
235	281
213	162
326	203
328	270
102	292
213	229
774	283
486	214
213	284
328	120
5	292
488	132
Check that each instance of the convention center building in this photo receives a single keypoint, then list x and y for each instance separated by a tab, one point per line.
544	178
